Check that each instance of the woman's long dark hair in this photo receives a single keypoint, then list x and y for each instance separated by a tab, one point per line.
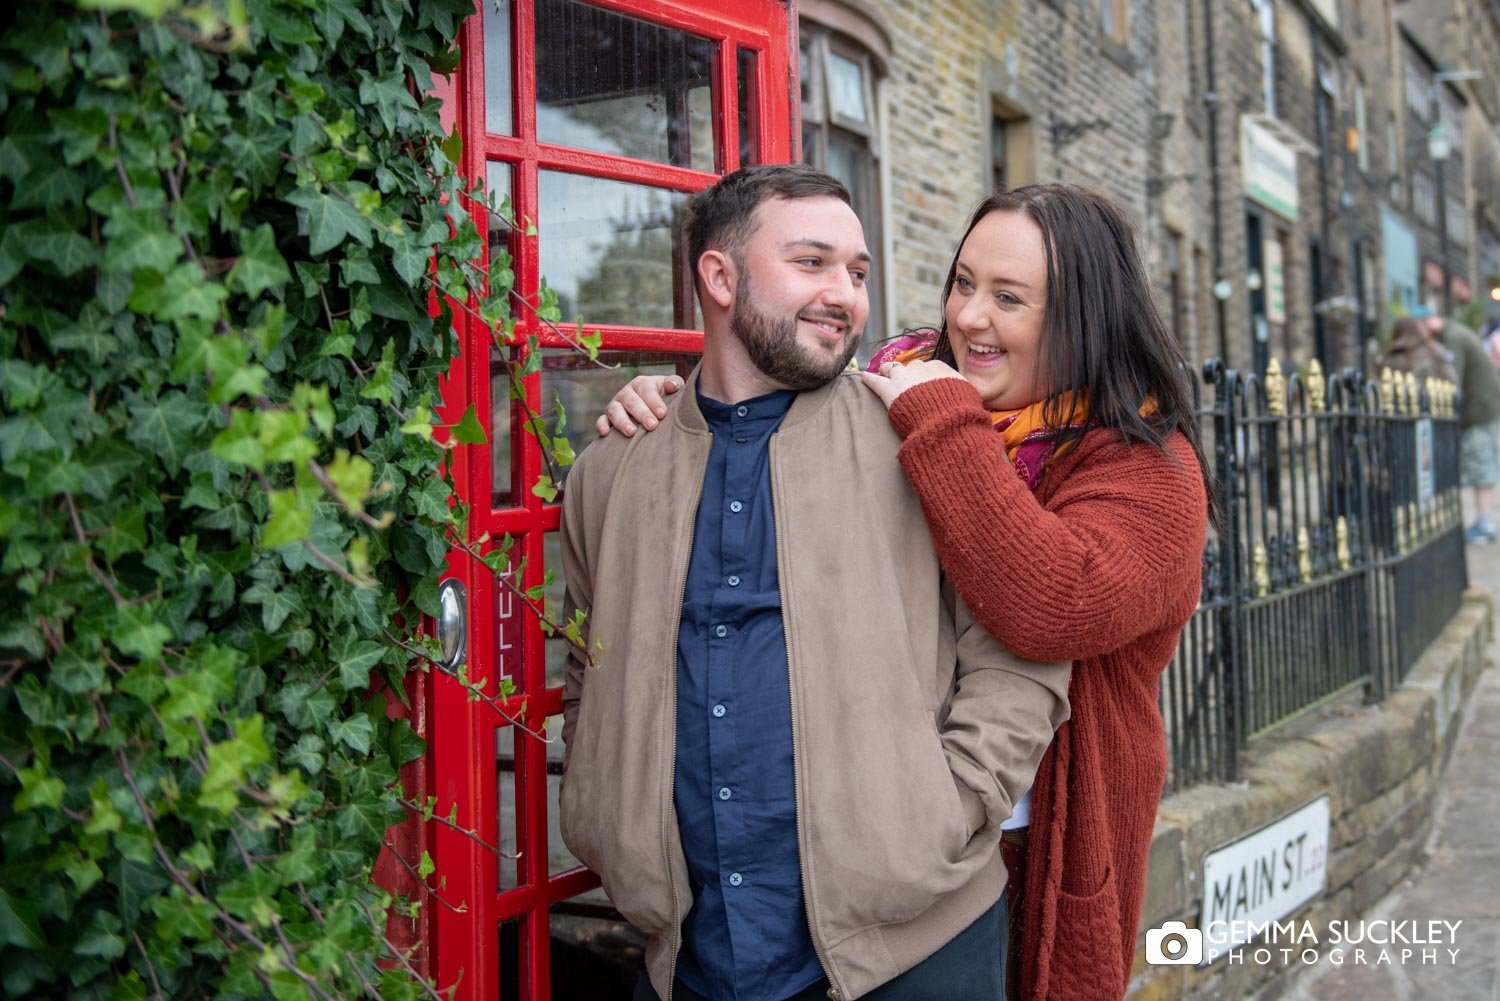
1101	329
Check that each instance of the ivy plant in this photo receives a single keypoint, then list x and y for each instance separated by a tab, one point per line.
232	233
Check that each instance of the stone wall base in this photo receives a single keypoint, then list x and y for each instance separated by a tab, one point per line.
1381	766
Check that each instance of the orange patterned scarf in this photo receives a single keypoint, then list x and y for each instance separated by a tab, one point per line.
1018	427
1029	439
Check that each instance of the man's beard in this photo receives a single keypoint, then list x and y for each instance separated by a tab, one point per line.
774	349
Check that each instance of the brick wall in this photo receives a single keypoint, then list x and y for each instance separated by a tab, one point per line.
1130	119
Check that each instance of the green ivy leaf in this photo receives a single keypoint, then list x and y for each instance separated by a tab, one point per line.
355	733
291	519
405	745
19	922
230	763
410	259
330	220
260	265
187	292
545	489
351	476
137	633
152	9
379	386
355	661
140	240
69	252
38	789
468	430
166	427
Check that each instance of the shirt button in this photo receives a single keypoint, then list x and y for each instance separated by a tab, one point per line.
734	580
742	411
721	631
741	439
735	879
719	711
736	507
724	793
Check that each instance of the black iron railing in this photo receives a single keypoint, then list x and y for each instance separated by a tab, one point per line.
1340	559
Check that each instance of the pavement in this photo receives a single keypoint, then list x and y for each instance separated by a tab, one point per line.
1459	881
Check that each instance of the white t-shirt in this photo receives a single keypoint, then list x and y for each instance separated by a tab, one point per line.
1021	817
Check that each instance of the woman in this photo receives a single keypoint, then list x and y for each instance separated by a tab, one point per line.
1050	433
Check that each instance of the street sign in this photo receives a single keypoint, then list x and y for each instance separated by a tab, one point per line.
1262	877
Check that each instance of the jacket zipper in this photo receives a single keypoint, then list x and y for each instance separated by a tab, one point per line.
666	842
834	993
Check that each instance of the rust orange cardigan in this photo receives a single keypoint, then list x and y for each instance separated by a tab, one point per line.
1101	566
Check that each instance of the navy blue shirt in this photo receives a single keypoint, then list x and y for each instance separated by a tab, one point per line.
746	936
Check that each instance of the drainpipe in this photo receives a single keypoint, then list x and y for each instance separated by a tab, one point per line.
1325	224
1211	102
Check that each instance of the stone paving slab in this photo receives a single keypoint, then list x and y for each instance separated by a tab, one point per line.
1460	880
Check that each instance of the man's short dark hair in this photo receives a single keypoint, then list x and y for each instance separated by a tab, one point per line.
722	217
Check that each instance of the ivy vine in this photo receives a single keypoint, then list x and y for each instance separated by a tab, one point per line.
231	235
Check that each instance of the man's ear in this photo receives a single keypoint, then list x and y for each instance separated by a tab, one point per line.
718	276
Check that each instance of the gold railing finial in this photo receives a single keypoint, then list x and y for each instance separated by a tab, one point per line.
1341	543
1317	387
1413	402
1262	571
1304	555
1387	390
1275	388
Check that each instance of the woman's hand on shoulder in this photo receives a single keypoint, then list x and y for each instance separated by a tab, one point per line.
642	401
893	379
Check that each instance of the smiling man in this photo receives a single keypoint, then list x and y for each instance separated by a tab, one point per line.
790	761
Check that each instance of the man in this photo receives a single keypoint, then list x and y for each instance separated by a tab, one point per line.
1479	418
791	759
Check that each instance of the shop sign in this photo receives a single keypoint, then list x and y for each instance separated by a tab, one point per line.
1270	170
1275	279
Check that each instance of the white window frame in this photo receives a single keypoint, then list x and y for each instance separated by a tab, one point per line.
1266	10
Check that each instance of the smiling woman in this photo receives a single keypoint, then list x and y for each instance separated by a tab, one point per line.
1074	533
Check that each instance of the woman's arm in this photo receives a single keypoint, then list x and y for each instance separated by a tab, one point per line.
1113	556
641	400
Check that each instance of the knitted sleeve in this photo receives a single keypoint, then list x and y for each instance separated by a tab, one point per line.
1113	556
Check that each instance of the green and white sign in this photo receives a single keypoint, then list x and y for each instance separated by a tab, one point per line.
1269	167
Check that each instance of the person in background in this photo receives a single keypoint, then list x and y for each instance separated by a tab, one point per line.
1050	432
1478	417
1414	350
1490	335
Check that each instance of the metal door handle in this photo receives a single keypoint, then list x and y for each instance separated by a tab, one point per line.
453	623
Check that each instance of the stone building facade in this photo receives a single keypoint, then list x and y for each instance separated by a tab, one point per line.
1462	39
972	94
1267	150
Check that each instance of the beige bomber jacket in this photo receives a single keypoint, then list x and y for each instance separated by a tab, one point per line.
913	731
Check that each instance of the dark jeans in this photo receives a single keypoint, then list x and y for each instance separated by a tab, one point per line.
971	967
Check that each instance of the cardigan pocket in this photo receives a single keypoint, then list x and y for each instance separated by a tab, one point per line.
1086	954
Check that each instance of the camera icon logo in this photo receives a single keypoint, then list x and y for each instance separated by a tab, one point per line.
1174	944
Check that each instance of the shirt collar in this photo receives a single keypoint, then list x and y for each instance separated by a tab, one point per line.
771	406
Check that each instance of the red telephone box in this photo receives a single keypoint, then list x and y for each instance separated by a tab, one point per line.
596	120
